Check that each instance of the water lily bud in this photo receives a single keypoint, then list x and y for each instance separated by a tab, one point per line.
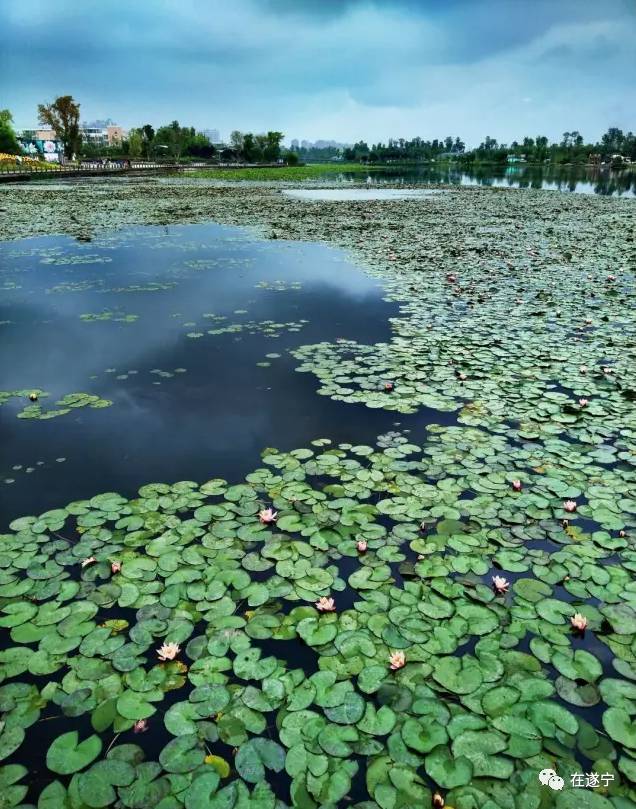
33	396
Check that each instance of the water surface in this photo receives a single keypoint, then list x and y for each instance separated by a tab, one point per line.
186	404
359	194
580	180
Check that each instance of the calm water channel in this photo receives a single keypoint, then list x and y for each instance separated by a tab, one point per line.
127	318
565	178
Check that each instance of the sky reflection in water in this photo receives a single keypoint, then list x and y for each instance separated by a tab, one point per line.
212	420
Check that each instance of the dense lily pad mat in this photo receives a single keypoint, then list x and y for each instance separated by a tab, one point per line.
493	690
517	313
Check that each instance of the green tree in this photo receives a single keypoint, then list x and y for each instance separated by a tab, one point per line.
148	138
271	152
236	141
135	142
8	141
63	116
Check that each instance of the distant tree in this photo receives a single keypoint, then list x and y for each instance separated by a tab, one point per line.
459	146
291	158
8	141
260	145
613	139
175	137
249	149
63	116
148	138
236	141
134	142
271	151
200	146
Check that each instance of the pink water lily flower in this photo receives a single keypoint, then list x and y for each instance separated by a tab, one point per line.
569	505
361	545
462	377
168	651
611	278
267	516
500	584
584	402
90	561
140	726
326	604
516	485
579	622
115	566
388	386
397	660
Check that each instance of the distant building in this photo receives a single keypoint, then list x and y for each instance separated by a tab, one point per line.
211	134
44	142
110	135
295	144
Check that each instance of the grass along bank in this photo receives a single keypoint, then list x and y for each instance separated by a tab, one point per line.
286	173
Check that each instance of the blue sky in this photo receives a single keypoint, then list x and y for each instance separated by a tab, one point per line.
342	69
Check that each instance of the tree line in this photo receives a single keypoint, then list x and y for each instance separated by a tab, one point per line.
572	148
176	141
171	140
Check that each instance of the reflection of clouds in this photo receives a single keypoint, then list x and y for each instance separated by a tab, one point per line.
69	351
212	420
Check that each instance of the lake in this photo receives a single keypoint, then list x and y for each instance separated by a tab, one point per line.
556	178
129	317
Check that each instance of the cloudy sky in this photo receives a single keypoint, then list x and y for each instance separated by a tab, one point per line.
342	69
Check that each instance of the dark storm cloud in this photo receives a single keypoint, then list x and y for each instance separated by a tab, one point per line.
327	68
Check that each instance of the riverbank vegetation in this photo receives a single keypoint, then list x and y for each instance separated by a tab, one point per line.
282	173
572	148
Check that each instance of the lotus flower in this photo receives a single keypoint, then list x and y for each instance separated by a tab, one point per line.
168	651
267	516
516	485
388	386
584	402
326	604
115	566
579	622
500	584
140	726
89	561
569	505
361	545
397	660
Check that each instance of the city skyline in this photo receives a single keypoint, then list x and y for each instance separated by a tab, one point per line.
389	68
